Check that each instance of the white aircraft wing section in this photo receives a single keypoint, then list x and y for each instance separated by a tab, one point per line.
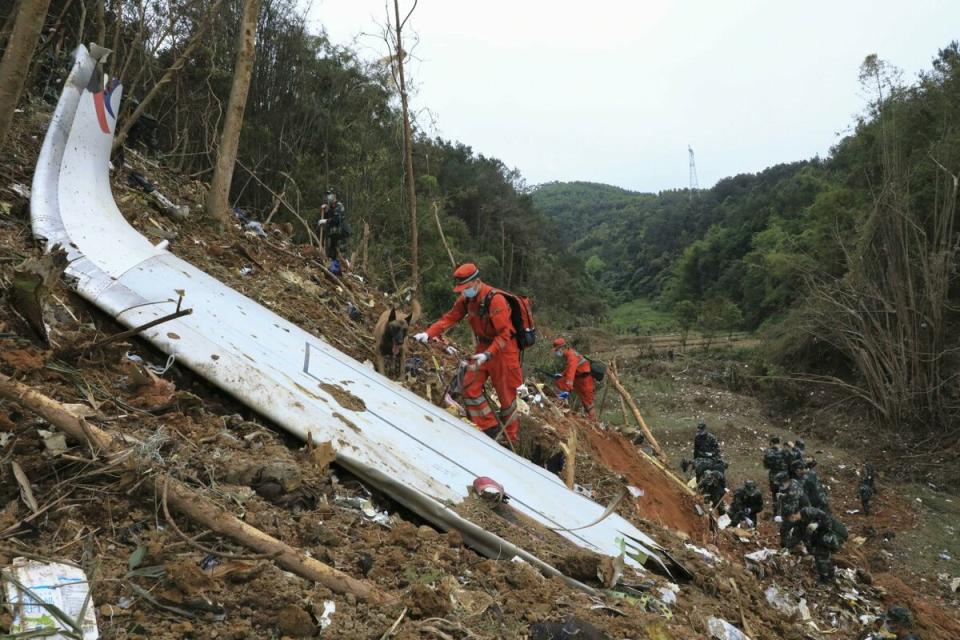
415	452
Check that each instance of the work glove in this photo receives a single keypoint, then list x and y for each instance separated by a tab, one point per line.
778	519
480	358
323	221
421	337
563	395
813	526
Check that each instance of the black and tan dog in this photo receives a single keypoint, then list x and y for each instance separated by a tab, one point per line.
390	336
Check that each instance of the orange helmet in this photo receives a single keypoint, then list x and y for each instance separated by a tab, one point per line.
464	275
559	342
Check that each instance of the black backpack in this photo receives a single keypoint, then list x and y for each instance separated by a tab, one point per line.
598	370
521	315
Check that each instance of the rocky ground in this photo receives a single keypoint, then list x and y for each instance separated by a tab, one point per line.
161	577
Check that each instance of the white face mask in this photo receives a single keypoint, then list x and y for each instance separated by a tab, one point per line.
559	354
470	293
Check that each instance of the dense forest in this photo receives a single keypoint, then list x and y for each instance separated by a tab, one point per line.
755	239
848	262
317	116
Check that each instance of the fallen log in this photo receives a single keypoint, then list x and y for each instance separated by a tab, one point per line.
657	451
187	501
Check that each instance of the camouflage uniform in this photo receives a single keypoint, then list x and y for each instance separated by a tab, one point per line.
796	451
823	535
747	503
866	489
790	501
705	444
815	491
713	486
774	461
896	623
702	465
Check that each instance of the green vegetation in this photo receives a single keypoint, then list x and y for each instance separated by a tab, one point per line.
641	316
319	116
848	261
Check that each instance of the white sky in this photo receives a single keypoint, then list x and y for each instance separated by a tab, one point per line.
613	91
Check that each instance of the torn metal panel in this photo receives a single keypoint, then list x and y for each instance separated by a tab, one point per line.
412	450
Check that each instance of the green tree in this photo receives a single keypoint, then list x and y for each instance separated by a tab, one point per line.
686	313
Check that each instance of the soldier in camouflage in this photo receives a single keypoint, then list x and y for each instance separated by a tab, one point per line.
796	451
713	486
823	535
705	444
790	500
814	489
774	461
701	465
797	469
898	624
746	505
866	489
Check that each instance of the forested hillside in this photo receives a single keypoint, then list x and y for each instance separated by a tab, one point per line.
755	238
317	116
850	259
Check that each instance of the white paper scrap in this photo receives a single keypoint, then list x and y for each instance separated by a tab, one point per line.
54	583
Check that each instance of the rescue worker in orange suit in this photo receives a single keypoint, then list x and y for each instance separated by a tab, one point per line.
575	377
497	354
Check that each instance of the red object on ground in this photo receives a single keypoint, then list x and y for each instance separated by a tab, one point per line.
488	488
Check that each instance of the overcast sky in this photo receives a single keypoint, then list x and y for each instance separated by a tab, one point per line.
613	91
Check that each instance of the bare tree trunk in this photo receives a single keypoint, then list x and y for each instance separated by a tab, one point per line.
192	44
218	196
628	399
407	148
16	58
101	24
8	22
443	237
366	246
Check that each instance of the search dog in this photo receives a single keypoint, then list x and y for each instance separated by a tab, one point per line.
390	337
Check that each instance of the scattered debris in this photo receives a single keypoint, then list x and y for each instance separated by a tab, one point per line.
325	619
723	630
780	601
165	205
49	595
568	629
55	443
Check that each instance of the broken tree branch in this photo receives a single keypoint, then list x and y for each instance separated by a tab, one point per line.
192	43
657	451
187	501
75	353
443	237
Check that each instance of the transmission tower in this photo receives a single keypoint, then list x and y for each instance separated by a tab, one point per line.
694	184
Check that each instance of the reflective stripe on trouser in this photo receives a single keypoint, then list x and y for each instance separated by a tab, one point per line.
510	418
505	374
477	408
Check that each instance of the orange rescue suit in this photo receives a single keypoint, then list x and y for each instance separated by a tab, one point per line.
576	377
494	332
